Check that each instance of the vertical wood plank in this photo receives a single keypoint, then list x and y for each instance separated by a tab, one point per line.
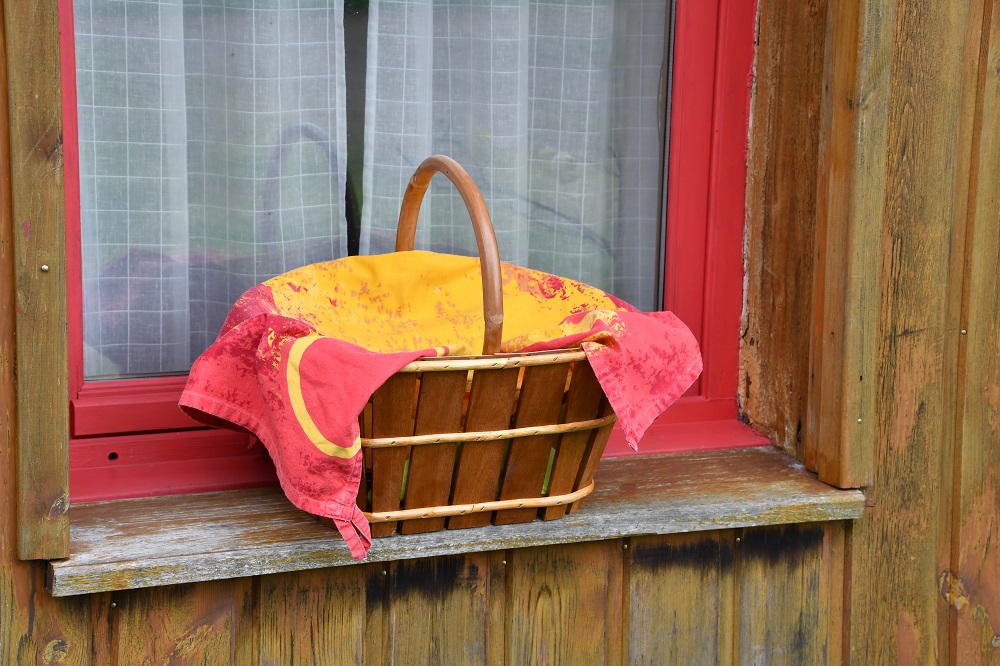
438	610
312	617
491	405
834	589
191	624
782	614
582	402
496	610
565	604
680	598
34	627
592	455
35	174
781	217
439	410
846	301
540	402
392	416
974	590
897	614
376	625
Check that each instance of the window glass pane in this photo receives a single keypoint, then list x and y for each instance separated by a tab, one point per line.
212	157
553	107
214	144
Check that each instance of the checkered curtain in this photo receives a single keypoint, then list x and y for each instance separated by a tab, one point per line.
553	109
212	157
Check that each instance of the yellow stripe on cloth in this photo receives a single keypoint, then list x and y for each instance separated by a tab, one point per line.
299	404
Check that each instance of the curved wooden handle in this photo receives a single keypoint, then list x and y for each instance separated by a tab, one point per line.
489	254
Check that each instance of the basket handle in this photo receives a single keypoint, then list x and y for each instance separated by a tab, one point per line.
489	254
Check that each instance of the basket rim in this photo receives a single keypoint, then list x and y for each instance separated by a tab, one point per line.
494	361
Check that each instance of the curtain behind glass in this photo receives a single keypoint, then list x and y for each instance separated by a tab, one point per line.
212	157
553	109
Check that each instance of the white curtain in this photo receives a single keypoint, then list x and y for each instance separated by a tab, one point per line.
553	109
212	157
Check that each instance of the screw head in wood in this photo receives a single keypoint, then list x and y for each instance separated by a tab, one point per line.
859	420
737	539
964	332
45	268
114	605
504	562
384	572
996	641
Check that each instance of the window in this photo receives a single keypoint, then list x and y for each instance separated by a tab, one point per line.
212	146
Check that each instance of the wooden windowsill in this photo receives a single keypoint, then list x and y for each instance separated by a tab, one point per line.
186	538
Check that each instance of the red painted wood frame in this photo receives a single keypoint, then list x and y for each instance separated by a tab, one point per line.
129	438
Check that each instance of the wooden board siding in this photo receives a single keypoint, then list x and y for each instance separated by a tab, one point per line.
781	575
671	618
905	319
896	611
752	595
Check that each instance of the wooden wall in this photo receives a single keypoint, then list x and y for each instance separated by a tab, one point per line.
917	580
754	596
891	169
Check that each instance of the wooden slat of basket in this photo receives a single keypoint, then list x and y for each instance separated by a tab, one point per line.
491	405
539	404
582	402
392	416
595	449
439	409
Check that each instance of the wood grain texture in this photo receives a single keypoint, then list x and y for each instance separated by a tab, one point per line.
449	595
852	173
781	610
680	598
392	416
592	455
542	389
896	612
973	591
565	604
477	476
439	410
34	627
311	617
36	178
166	540
188	624
781	218
376	637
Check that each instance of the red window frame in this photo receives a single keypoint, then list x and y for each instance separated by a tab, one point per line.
129	439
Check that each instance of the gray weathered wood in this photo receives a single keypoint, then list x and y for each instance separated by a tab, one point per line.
166	540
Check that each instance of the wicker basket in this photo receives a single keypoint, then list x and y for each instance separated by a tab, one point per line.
462	442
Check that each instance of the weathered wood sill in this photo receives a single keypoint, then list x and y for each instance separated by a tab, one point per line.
186	538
